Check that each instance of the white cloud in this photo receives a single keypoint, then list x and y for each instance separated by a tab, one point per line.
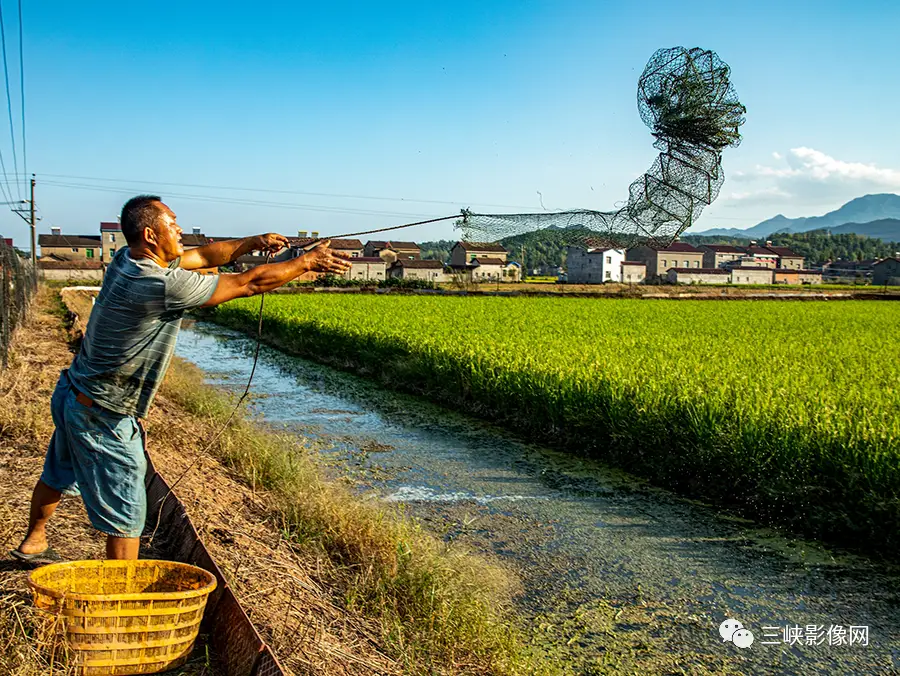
814	166
777	155
768	194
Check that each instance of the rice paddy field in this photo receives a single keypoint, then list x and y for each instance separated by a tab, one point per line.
785	412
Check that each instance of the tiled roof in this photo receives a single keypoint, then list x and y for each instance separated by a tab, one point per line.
69	240
679	247
722	248
190	239
759	251
367	259
336	244
482	246
110	226
886	260
783	252
396	246
705	271
489	261
752	267
420	264
641	263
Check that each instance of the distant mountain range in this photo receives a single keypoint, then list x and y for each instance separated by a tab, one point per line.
871	215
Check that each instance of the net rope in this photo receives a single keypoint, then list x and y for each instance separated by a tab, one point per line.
686	98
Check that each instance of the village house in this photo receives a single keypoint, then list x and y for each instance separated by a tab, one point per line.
427	270
786	257
744	274
887	272
593	266
111	239
698	276
756	257
59	247
350	247
464	253
793	276
658	261
770	257
368	268
719	255
849	271
391	252
633	272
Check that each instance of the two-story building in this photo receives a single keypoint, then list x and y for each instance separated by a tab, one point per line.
391	252
787	259
719	255
593	266
464	253
659	260
111	239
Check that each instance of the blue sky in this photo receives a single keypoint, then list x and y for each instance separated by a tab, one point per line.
431	107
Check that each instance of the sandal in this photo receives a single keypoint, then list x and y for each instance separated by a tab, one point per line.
47	555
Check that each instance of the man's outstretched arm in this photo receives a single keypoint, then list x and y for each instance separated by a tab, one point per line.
264	278
222	253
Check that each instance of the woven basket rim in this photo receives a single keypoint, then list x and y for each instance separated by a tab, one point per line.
206	589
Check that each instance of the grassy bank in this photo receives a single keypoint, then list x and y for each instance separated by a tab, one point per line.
440	609
787	413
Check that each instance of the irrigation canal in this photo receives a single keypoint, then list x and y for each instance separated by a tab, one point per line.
611	568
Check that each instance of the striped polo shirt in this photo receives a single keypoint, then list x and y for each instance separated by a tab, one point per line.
131	334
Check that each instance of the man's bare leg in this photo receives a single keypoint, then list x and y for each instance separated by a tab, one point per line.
44	501
122	548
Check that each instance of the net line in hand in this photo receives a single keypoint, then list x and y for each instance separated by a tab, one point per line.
686	98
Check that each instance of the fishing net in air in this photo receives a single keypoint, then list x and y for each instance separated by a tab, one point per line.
686	98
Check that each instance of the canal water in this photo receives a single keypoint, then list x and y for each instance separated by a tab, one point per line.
613	571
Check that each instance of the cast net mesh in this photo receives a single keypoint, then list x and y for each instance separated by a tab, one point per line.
686	98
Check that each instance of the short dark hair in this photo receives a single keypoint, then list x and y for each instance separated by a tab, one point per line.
138	213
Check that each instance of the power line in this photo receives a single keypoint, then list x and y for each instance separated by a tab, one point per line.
12	136
283	192
22	91
309	194
238	201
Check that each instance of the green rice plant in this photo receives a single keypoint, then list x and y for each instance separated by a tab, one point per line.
788	412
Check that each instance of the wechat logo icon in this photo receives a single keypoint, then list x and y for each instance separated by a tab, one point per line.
732	630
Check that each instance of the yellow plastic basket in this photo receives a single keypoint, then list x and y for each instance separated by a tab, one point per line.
125	617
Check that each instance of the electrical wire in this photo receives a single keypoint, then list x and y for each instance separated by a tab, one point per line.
241	201
276	191
22	92
12	136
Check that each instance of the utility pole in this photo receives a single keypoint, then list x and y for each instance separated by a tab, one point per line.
33	242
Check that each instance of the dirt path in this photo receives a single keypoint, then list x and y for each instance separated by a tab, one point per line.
279	588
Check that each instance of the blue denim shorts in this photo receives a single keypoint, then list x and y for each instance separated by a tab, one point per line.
98	454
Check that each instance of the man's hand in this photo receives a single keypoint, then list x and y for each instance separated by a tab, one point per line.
322	259
271	242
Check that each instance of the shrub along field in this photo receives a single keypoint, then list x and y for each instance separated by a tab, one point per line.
788	412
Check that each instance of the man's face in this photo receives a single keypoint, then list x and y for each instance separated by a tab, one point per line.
167	235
